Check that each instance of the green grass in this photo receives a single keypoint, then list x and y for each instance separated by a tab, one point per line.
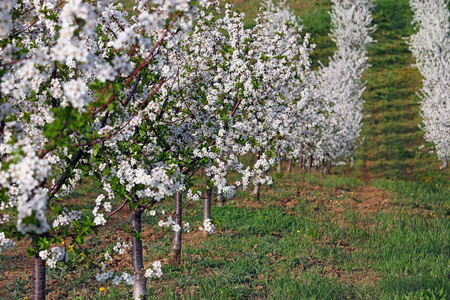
392	131
308	250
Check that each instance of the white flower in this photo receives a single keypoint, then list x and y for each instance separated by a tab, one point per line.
128	278
100	220
208	226
117	280
76	93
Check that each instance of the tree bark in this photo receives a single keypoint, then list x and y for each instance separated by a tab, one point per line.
322	167
290	166
280	163
256	190
301	163
38	278
175	250
310	162
257	187
140	281
207	205
220	201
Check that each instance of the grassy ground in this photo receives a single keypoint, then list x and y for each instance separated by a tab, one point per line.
308	238
380	230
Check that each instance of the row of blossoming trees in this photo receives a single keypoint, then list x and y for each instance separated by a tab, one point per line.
431	48
143	102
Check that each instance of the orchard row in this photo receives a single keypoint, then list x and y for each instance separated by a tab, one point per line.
143	102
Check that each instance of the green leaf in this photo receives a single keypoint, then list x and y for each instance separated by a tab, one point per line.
31	251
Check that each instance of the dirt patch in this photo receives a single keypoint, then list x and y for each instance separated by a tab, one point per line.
332	271
250	202
366	201
15	264
367	175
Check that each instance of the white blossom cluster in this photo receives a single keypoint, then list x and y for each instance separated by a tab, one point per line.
170	223
66	218
236	98
99	217
193	196
302	114
280	14
53	256
174	226
154	272
126	278
5	243
430	45
24	177
339	84
207	226
104	276
121	247
4	218
5	17
156	181
186	227
325	119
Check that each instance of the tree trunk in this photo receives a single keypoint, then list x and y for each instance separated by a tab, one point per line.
290	166
220	201
301	163
175	250
329	167
322	167
38	278
280	164
310	162
207	206
140	281
257	187
256	190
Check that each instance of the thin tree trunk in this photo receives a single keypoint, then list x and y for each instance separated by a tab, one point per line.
38	278
310	162
175	250
301	163
207	206
140	281
322	167
290	165
257	187
256	190
280	164
220	201
329	167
